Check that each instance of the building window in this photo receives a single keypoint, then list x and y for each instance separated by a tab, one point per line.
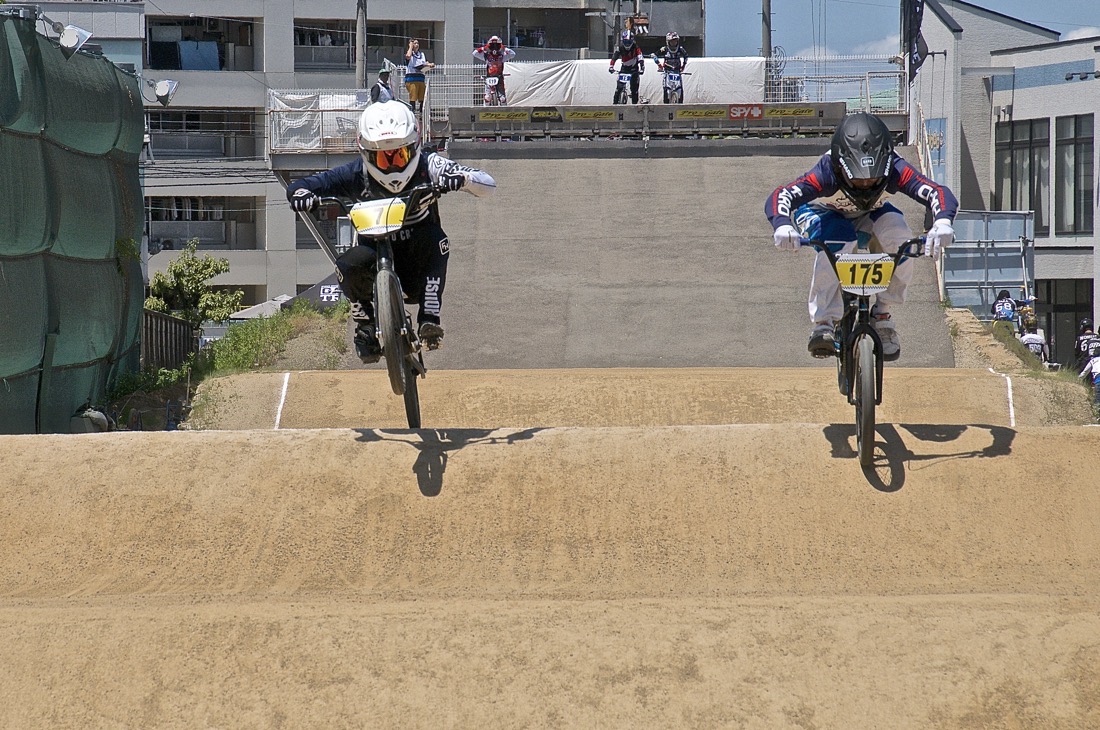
1073	175
1023	169
1061	304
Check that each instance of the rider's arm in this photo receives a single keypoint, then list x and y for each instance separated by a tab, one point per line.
683	58
478	182
479	54
937	198
344	181
509	54
786	199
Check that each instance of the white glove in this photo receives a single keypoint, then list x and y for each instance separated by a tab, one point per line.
939	237
787	238
303	199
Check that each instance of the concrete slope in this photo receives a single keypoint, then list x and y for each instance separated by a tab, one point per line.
691	576
609	397
596	262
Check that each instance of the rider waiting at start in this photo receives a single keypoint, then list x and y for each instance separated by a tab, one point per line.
494	54
632	62
842	200
672	57
389	162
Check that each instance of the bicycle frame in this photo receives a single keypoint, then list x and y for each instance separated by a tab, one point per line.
861	274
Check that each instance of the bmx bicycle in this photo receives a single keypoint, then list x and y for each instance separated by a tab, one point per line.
378	224
622	87
494	80
672	82
859	357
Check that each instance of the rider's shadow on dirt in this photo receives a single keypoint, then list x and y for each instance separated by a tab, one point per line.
887	473
434	444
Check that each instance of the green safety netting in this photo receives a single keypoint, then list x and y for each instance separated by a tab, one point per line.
71	288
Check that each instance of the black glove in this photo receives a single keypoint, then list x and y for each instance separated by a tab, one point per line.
611	70
303	200
451	181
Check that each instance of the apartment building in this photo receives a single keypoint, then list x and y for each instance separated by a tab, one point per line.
208	173
1011	110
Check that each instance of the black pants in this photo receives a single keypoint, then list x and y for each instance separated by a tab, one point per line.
635	79
420	255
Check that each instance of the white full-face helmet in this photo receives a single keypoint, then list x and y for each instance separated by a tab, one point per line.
389	142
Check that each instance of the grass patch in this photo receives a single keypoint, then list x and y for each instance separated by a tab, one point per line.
1005	333
252	345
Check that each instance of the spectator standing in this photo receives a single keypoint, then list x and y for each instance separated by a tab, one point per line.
416	66
381	90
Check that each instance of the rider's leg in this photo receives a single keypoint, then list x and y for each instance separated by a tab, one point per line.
889	227
500	91
826	305
355	270
635	81
425	269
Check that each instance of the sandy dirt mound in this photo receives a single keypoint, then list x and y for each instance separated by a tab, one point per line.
661	576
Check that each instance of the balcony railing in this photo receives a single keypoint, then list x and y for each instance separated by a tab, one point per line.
212	235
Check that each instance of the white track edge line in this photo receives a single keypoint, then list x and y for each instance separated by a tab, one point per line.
282	400
1011	404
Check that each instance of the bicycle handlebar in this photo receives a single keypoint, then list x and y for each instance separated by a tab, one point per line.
912	248
412	197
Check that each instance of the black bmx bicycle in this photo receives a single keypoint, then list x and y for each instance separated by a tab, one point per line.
859	358
377	222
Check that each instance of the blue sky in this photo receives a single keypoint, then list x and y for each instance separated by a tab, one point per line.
862	26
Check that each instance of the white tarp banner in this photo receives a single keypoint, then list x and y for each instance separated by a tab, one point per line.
301	119
707	81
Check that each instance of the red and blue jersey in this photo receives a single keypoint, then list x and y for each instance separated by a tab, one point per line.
820	187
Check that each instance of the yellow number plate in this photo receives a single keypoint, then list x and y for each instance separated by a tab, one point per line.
378	217
863	274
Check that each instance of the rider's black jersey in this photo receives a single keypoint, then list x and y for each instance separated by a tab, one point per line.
351	182
673	60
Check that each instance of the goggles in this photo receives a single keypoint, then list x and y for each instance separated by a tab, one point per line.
869	183
391	160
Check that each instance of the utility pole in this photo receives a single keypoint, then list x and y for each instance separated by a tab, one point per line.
361	43
766	30
766	46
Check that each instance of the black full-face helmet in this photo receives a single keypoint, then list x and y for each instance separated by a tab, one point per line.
862	151
1086	325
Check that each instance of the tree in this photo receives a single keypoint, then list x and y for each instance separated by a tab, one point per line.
185	292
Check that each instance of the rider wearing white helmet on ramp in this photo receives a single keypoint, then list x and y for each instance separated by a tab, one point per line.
390	161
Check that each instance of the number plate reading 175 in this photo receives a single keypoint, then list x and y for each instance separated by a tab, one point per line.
863	274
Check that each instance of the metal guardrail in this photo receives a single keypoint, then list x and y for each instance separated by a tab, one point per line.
644	121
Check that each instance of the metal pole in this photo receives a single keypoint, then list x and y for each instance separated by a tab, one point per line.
766	29
361	43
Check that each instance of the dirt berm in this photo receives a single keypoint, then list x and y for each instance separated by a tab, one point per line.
740	570
576	539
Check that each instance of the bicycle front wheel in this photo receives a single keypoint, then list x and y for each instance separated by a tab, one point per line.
865	399
391	321
412	397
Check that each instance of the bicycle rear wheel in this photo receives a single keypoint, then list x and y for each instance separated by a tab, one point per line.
391	321
865	399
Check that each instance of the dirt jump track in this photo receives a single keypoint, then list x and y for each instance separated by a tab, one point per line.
627	508
655	548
